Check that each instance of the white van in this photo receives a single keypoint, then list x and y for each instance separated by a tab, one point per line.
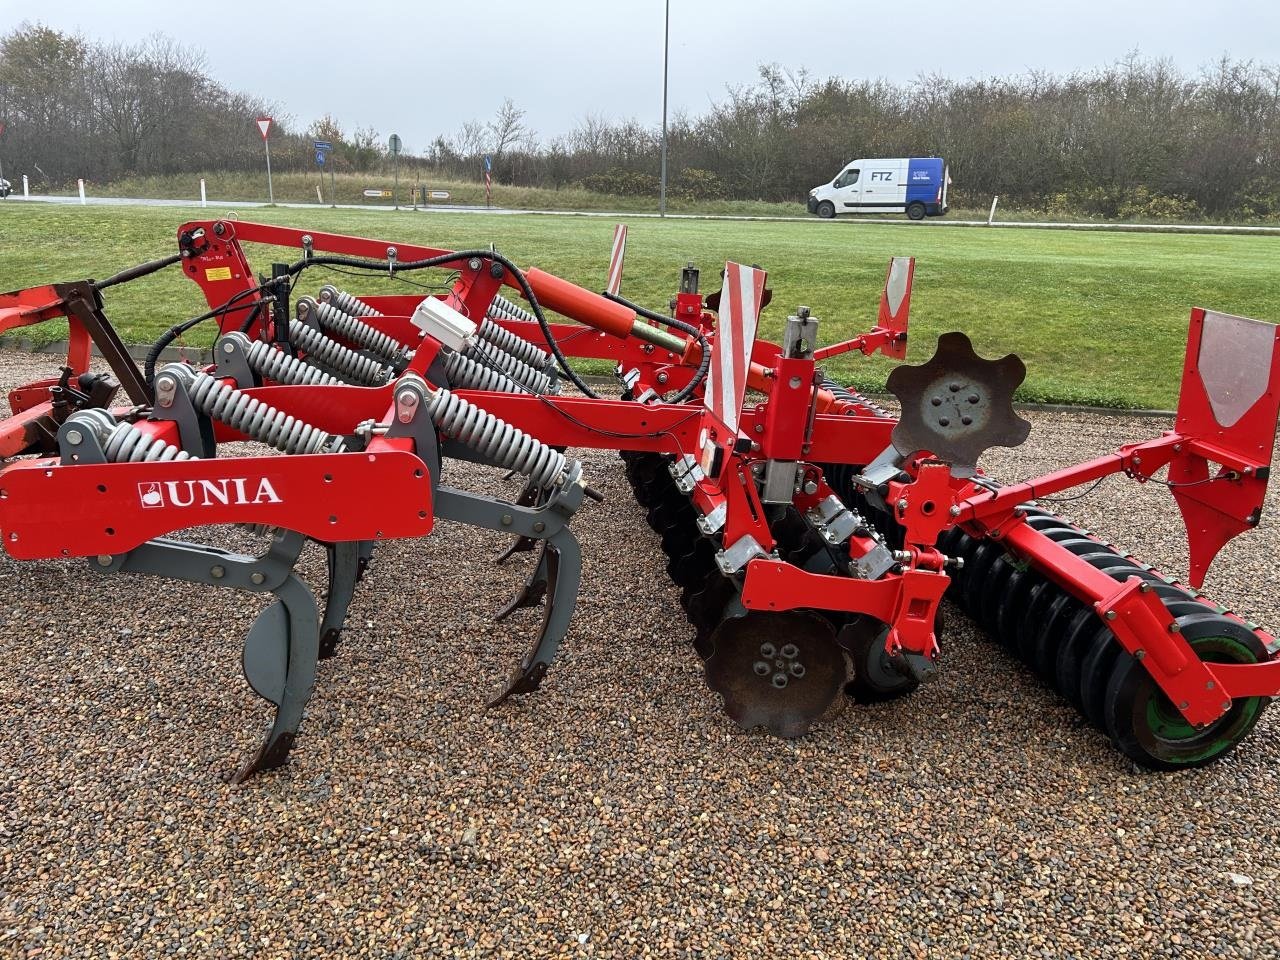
916	186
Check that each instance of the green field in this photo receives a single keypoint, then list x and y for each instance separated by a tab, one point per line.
1098	318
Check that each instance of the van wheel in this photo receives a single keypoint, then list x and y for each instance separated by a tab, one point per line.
915	211
826	209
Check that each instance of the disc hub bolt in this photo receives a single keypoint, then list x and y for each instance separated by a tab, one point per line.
780	665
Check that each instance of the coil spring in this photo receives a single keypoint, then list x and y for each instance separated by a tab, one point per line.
853	396
346	302
502	307
349	365
509	447
251	416
519	371
517	346
265	360
464	373
123	442
333	320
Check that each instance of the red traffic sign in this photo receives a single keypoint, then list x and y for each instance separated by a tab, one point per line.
264	124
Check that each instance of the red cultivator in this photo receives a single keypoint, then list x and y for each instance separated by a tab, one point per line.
813	535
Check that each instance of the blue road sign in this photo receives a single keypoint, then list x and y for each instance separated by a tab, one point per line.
322	145
320	158
487	164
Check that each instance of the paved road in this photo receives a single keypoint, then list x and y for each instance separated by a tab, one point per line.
629	215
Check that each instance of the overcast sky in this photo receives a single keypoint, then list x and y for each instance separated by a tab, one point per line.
420	69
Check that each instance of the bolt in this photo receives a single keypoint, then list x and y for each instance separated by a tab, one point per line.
75	437
794	383
1140	654
902	504
496	270
219	228
1209	685
1183	705
1144	587
506	519
1137	460
166	390
1226	704
966	420
802	313
104	560
759	428
1174	628
944	421
662	378
760	667
217	571
306	240
474	263
1110	614
954	511
228	347
790	651
810	487
258	578
974	398
953	387
779	680
936	401
1177	448
539	527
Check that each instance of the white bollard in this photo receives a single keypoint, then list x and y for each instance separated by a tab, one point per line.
80	184
204	198
992	215
26	187
319	199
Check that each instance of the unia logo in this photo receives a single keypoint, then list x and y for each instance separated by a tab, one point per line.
237	491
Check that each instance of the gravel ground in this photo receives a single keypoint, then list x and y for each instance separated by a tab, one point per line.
615	813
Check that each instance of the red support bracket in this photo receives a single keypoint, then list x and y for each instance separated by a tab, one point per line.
1144	627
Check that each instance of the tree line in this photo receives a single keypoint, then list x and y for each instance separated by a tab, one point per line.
1136	138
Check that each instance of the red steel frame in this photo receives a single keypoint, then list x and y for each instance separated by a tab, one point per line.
837	431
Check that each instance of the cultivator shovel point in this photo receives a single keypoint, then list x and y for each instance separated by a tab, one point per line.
812	534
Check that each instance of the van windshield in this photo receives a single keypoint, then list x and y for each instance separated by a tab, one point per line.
847	179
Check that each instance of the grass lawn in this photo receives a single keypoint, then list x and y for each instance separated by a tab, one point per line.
1098	318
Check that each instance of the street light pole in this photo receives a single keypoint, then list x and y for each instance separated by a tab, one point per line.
666	47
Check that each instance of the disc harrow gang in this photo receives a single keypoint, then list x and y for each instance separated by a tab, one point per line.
811	534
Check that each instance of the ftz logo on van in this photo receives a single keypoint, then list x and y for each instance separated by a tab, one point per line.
233	491
884	175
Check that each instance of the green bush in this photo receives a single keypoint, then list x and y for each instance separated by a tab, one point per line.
1142	204
695	184
625	183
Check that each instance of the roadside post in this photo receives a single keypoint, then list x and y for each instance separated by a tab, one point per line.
488	180
26	187
264	125
80	187
204	197
394	145
992	215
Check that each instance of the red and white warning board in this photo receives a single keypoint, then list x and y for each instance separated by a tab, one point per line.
264	124
613	282
740	302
